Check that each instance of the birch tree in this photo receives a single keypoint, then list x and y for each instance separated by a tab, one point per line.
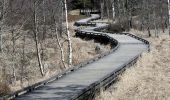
68	36
38	45
113	9
60	46
58	29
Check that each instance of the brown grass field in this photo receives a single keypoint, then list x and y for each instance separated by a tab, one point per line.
148	79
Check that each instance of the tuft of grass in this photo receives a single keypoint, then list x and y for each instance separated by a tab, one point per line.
4	89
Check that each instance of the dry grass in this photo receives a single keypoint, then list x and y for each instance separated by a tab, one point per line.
149	79
72	18
75	15
4	89
82	50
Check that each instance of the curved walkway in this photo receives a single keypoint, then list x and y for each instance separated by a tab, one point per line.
71	85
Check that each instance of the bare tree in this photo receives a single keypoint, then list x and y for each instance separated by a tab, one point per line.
155	25
102	8
23	60
68	36
3	12
113	9
59	24
61	18
61	48
108	9
13	56
38	45
44	30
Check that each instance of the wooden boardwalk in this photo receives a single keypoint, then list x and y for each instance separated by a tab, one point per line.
72	85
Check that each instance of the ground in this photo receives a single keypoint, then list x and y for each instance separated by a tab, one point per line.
149	78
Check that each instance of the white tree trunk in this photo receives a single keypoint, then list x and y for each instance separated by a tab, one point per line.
68	36
38	45
113	10
61	49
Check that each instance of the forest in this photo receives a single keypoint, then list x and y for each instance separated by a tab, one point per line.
36	36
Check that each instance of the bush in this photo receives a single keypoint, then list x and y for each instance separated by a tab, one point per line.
120	26
116	28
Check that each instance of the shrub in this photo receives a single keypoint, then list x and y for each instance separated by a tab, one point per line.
120	26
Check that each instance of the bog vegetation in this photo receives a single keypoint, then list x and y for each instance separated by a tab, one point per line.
149	78
35	37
